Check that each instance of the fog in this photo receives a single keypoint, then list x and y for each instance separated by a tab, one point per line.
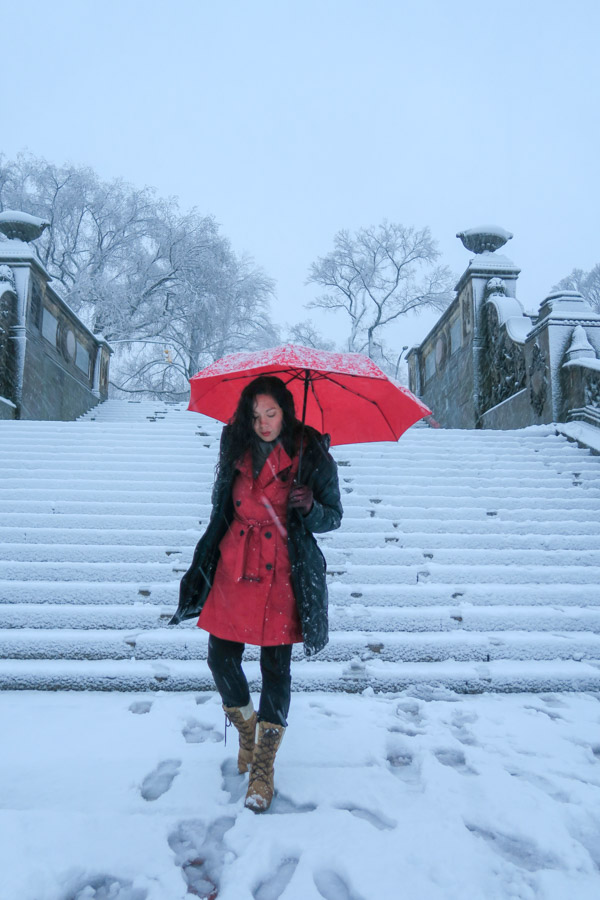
291	120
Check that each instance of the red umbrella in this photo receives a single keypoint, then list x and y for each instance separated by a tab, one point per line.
344	394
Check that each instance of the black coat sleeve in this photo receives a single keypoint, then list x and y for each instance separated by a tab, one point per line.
196	582
326	513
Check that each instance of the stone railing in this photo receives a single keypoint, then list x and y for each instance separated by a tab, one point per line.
51	365
581	382
488	364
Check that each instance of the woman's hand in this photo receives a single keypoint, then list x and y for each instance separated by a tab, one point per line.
301	497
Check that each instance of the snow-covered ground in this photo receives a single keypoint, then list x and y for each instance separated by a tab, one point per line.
468	559
424	795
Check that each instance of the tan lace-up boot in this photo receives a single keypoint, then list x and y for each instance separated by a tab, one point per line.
244	719
260	784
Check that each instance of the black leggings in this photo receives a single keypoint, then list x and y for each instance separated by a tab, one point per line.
225	663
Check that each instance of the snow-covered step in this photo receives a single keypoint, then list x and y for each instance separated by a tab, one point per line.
449	618
82	571
49	529
182	492
356	676
91	596
80	514
99	553
462	617
456	546
443	481
492	593
371	553
48	535
472	574
348	573
392	555
385	646
425	542
16	541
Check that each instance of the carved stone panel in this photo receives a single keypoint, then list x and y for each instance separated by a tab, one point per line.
8	302
503	362
440	352
466	307
538	379
592	389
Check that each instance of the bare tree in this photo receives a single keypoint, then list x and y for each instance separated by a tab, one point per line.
587	283
165	288
377	275
306	334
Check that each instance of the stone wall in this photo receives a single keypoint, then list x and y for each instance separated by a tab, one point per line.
510	369
8	409
8	319
60	359
51	365
445	369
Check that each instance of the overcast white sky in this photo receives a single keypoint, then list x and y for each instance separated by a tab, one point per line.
291	120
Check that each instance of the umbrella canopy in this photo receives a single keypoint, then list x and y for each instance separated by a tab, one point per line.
343	394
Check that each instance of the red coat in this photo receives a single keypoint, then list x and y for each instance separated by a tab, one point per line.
251	599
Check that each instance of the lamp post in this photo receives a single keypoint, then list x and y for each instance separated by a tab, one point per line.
399	358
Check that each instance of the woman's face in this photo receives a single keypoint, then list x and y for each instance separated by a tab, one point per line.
268	417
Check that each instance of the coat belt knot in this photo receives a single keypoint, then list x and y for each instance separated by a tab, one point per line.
248	550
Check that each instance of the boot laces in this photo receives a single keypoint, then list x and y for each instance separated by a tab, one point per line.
264	755
245	729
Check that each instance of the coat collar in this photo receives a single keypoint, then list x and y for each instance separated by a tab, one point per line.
277	461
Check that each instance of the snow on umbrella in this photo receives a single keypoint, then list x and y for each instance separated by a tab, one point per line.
344	394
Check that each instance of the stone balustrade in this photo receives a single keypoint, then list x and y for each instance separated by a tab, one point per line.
489	363
51	365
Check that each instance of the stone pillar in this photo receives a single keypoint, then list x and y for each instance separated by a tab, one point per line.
20	228
549	341
472	291
57	369
97	363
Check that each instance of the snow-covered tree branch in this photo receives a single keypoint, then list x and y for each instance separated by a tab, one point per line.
587	283
378	275
139	271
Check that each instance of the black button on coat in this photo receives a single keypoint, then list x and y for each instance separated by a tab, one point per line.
309	582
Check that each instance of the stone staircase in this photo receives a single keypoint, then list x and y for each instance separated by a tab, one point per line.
465	558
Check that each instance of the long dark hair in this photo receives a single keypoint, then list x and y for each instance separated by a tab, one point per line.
243	435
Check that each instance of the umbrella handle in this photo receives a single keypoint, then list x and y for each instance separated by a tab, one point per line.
306	382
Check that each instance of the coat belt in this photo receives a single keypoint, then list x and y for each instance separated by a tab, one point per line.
247	559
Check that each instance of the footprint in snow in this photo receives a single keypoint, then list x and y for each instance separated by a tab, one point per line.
403	766
455	759
104	887
323	710
543	784
232	781
546	712
406	730
459	729
158	782
409	711
552	700
140	707
282	805
516	849
399	759
196	733
200	852
332	886
429	692
378	821
274	885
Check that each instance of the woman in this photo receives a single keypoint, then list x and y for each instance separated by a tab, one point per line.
258	575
